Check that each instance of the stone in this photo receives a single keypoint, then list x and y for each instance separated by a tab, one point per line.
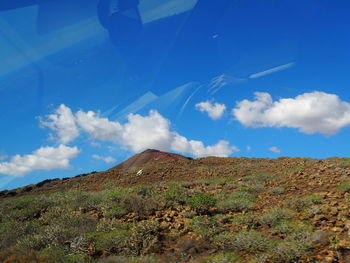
320	238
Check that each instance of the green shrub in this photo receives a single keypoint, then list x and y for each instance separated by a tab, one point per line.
235	205
274	216
239	201
276	190
109	225
298	168
222	218
286	227
283	227
250	220
144	237
12	231
110	185
201	202
223	258
60	225
244	195
116	195
175	195
20	208
204	226
302	203
287	251
251	242
115	212
301	232
114	241
145	190
223	240
255	189
75	199
139	238
257	178
344	187
141	205
314	210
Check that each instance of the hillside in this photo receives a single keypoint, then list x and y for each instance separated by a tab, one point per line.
162	207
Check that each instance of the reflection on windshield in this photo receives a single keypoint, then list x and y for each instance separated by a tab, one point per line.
186	59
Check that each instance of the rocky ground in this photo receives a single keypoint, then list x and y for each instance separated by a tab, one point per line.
161	207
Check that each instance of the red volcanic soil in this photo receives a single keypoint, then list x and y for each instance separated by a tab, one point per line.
148	156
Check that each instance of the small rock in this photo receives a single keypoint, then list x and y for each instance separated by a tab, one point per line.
320	238
164	225
339	224
347	227
333	211
337	229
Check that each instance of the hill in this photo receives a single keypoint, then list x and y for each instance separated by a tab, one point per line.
162	207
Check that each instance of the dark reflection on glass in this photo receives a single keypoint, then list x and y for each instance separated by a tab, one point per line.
121	19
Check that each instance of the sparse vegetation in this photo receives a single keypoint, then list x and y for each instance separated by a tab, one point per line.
248	220
223	258
251	242
344	187
236	202
287	251
302	203
244	211
201	202
278	190
274	216
204	226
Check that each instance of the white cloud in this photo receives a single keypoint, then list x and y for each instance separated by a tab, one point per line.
248	148
215	111
152	131
62	122
97	127
44	158
274	149
197	148
315	112
138	134
106	159
271	70
144	132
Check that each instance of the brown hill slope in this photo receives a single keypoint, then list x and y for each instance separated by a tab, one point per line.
146	157
285	209
163	167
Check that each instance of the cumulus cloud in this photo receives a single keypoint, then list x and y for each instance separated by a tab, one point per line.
137	134
106	159
44	158
97	127
143	132
215	111
197	148
274	149
63	123
315	112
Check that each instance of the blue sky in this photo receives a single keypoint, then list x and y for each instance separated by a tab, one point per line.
84	86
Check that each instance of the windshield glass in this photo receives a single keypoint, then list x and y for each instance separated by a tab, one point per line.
86	84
